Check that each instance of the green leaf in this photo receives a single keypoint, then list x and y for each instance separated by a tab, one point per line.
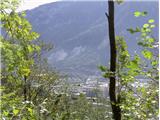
151	40
146	25
119	1
151	21
30	111
147	54
154	62
152	26
132	31
144	34
30	49
102	68
144	13
148	30
23	14
106	75
137	14
6	113
37	48
140	43
26	71
138	29
15	112
132	65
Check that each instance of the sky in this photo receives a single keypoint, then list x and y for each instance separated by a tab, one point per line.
30	4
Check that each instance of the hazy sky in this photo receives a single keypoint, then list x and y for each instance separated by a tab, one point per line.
30	4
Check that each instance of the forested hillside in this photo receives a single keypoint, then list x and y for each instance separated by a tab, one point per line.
79	31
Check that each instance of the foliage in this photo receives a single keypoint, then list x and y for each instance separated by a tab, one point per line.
139	98
25	73
138	13
18	48
137	75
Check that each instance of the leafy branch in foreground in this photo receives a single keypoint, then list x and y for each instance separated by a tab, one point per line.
137	75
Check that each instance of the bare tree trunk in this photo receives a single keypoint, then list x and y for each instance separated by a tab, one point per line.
112	85
25	88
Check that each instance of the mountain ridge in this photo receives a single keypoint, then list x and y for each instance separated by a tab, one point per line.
79	31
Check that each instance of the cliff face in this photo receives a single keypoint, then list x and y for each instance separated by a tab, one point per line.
79	31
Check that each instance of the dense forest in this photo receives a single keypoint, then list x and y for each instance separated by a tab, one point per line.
32	89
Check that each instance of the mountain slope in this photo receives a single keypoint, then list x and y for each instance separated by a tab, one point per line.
79	31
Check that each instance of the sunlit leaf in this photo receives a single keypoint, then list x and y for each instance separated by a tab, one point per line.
151	40
146	25
147	54
15	112
137	14
151	21
152	26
